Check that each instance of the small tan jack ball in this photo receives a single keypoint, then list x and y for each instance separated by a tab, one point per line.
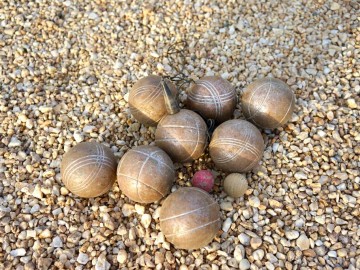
235	185
190	218
145	174
268	103
146	100
88	169
213	97
236	146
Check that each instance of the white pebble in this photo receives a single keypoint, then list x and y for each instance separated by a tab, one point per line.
254	201
244	264
18	252
14	142
83	258
146	220
88	129
258	254
303	242
102	263
227	224
78	137
122	256
57	242
291	235
244	239
300	175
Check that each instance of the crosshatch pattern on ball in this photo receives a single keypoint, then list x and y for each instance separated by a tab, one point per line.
268	102
190	218
146	100
214	97
145	174
88	169
236	146
182	135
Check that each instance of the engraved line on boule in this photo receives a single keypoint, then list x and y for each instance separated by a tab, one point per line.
188	212
176	140
100	163
229	141
93	171
153	157
86	163
133	179
78	161
197	140
208	101
223	97
241	148
292	98
213	93
181	126
237	153
140	171
76	164
143	88
263	101
193	229
148	100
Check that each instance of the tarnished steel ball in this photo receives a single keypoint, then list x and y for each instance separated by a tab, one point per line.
146	100
236	146
88	169
213	97
145	174
182	135
268	103
190	218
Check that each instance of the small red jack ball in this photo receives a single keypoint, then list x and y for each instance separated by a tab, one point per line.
203	179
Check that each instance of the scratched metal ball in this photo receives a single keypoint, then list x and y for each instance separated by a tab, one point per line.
190	218
145	174
146	100
236	146
88	169
182	135
268	103
213	97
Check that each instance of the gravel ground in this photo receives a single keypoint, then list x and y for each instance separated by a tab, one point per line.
66	69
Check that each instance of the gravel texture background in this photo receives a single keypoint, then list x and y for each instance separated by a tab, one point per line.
65	71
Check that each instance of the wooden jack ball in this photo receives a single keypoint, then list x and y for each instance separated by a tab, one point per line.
88	169
190	218
146	100
235	185
236	146
213	97
268	103
145	174
182	133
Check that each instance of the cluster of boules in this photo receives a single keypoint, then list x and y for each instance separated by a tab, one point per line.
189	217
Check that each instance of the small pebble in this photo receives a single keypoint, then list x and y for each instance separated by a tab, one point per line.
303	242
18	252
83	258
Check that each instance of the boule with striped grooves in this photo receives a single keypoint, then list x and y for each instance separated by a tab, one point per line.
88	169
182	133
190	218
213	97
268	103
145	174
236	146
146	100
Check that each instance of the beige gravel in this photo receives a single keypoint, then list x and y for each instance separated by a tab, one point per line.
65	71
